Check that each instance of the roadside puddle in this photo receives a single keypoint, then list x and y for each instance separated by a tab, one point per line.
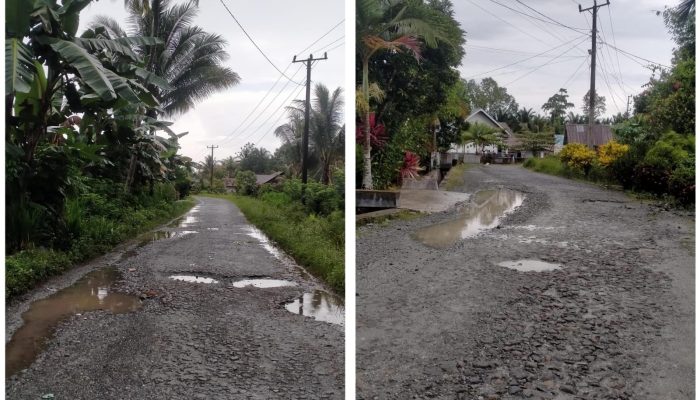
320	305
193	279
530	265
151	237
89	293
484	212
263	283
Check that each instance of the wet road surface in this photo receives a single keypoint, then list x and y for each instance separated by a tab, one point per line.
578	293
193	336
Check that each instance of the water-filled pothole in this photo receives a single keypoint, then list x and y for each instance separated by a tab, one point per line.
193	278
530	265
90	293
484	212
320	305
263	283
154	236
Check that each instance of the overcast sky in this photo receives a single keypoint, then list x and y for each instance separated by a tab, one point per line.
635	28
281	28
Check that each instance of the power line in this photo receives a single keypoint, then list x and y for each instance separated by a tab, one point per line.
324	35
526	59
278	119
578	30
509	50
607	83
508	23
557	36
255	44
545	64
633	55
617	57
550	21
574	74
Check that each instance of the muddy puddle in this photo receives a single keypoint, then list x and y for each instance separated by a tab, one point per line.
530	265
263	283
319	305
193	278
484	212
92	292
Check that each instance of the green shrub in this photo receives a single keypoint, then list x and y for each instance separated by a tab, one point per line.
24	269
246	183
682	182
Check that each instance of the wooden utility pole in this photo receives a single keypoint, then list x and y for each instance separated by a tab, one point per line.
591	93
211	176
305	138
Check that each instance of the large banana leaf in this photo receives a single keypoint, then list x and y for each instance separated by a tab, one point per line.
96	45
19	70
17	14
90	69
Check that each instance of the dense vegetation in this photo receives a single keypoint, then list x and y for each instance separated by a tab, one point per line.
89	161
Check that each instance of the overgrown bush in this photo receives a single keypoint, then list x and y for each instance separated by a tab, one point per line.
611	151
246	183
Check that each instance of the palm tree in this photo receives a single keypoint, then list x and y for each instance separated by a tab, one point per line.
379	29
327	133
189	59
481	135
525	115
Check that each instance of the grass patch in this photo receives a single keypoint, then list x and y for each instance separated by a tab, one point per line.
316	242
549	165
98	234
455	178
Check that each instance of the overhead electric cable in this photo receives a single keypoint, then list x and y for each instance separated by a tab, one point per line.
545	64
552	19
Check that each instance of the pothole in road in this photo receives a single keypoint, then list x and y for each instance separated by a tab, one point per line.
89	293
151	237
320	305
193	279
484	212
530	265
263	283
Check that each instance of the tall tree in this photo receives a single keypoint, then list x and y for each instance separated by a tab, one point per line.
327	133
557	105
490	97
599	105
256	159
188	58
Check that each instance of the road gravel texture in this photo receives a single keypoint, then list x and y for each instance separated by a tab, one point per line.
616	322
189	340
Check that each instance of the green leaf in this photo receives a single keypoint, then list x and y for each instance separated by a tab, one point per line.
90	69
97	45
150	78
19	70
121	86
17	14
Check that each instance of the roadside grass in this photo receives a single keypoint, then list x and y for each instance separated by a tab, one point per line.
98	234
315	242
551	165
455	178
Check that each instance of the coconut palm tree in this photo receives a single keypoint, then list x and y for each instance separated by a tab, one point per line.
481	135
327	133
397	25
189	59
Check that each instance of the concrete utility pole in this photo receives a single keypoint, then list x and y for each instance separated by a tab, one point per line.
627	114
592	94
211	176
305	138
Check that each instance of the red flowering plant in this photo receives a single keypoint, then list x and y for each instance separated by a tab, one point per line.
411	166
378	136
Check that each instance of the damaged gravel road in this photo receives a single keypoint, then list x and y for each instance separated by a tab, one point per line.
616	322
189	340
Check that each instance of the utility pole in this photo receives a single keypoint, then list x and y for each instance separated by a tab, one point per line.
305	138
591	93
211	177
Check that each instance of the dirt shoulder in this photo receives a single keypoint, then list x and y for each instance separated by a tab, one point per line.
189	341
616	322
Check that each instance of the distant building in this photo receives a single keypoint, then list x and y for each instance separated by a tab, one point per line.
271	179
578	133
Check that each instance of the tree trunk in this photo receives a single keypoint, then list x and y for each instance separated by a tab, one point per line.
367	157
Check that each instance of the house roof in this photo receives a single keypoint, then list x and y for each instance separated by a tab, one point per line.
481	111
261	179
578	133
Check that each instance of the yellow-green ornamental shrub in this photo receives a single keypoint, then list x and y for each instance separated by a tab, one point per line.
611	151
578	156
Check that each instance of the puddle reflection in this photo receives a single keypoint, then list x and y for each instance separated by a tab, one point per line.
320	305
90	293
484	212
193	279
263	283
530	265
